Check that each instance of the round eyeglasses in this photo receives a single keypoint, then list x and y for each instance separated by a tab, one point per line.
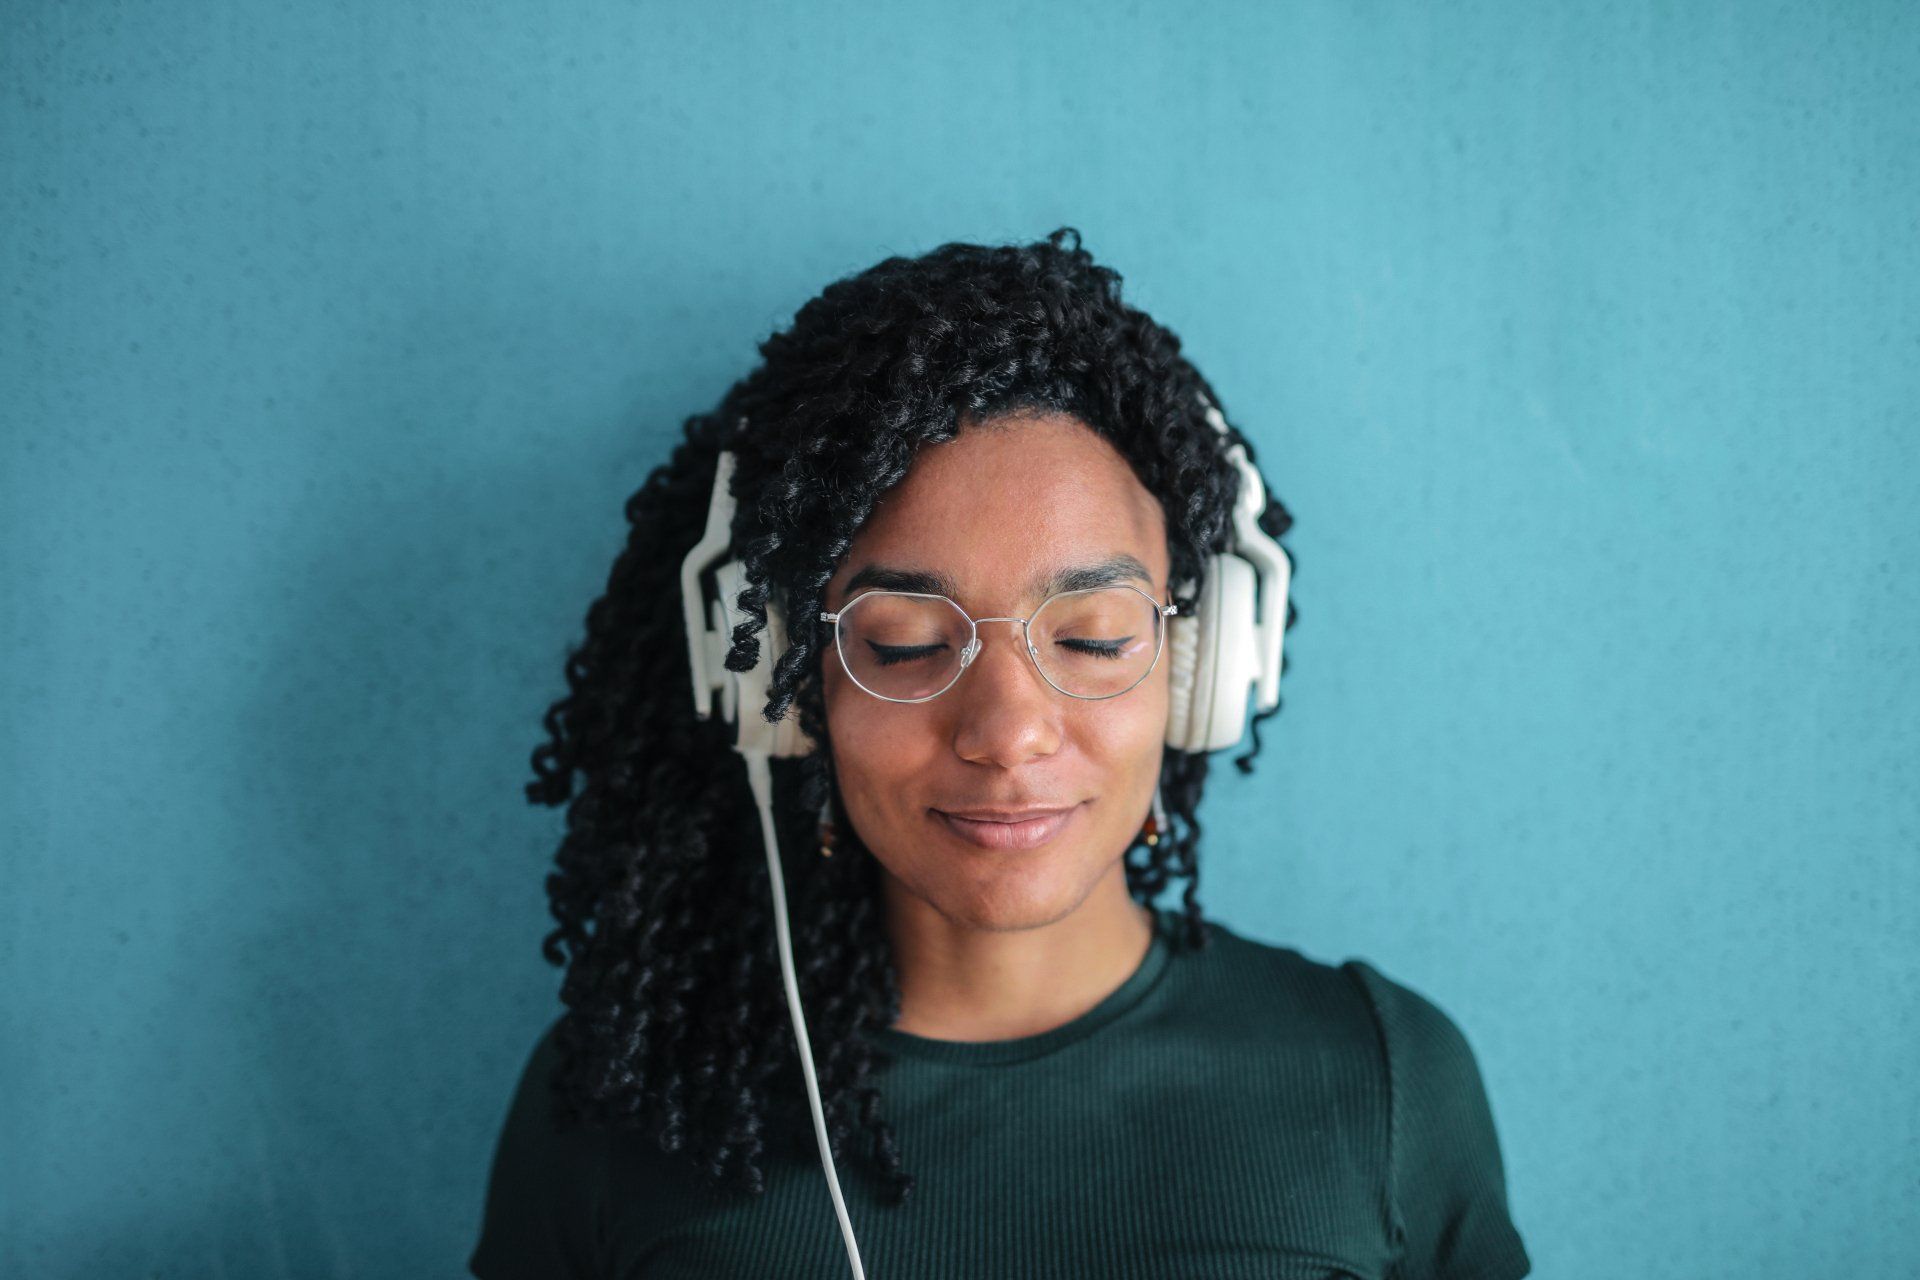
908	646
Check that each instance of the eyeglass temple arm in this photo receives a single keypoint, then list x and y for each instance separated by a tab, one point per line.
1166	611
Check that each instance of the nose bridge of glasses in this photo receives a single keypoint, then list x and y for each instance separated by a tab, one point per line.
972	650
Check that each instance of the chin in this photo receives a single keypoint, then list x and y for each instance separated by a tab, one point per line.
1023	895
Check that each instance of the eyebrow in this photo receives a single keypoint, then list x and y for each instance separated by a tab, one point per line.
1081	577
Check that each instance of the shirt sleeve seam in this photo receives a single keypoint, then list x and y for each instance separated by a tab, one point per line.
1390	1206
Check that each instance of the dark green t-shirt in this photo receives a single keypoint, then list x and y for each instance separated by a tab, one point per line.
1238	1113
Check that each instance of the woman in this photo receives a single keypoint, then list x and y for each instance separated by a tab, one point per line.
993	484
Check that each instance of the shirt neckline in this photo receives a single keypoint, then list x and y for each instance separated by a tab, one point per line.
1022	1048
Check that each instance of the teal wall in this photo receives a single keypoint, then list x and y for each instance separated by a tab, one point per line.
1582	339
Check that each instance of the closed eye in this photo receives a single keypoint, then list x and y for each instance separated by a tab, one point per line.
1099	648
888	655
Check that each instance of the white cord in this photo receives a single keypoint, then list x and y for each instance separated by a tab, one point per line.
761	779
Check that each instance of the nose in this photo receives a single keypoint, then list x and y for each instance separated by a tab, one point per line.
1005	712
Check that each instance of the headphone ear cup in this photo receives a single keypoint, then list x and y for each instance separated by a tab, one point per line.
1224	663
1183	654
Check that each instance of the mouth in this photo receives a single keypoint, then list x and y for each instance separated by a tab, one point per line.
1029	833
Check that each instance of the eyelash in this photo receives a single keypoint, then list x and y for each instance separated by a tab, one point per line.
888	655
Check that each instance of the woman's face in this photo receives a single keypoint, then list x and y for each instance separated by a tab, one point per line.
998	510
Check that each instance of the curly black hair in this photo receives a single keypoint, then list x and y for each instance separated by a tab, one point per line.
676	1021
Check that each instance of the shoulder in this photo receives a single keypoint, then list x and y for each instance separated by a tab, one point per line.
1282	988
1352	996
536	1113
534	1096
1233	958
1422	1044
543	1206
1414	1049
1445	1173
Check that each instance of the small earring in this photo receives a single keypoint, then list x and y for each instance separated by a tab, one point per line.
1156	820
828	836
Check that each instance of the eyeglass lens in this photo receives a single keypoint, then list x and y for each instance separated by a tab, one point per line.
1091	644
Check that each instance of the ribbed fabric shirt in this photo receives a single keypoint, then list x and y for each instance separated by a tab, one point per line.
1242	1112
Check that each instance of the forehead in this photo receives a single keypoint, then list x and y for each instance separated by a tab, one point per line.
999	516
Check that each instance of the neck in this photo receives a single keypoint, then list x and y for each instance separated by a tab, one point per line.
962	980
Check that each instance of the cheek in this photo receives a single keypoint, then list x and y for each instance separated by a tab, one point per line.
1136	722
1127	747
876	748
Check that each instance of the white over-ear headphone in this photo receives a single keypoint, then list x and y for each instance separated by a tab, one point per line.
1228	649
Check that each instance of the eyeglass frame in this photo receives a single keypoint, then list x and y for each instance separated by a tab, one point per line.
974	643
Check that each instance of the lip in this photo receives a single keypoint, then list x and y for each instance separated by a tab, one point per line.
1025	833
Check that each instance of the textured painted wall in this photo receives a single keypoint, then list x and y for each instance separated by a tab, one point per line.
1581	339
